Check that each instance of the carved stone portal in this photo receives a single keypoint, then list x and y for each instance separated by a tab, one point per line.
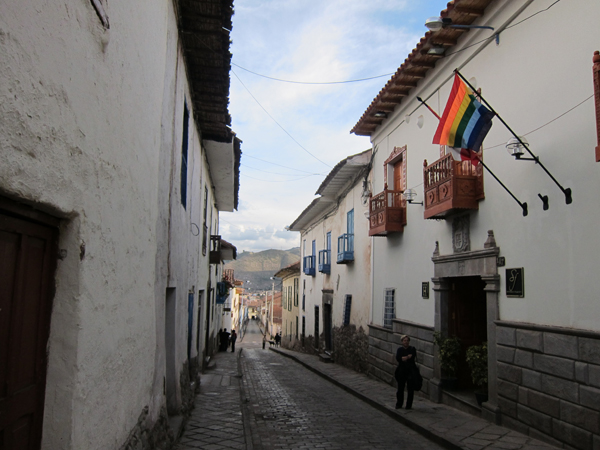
460	234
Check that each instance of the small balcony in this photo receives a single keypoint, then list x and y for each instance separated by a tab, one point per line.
451	186
215	249
345	248
387	213
228	276
309	265
325	261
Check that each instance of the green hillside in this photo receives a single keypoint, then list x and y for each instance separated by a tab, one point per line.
259	267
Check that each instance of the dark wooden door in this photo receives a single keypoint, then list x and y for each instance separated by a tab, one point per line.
327	324
398	185
467	318
27	265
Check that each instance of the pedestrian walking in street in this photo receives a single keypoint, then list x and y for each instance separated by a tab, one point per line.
233	338
277	339
407	358
224	340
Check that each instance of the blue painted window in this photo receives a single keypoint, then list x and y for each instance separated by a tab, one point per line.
184	155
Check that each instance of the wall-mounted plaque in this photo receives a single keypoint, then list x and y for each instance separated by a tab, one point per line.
515	282
425	289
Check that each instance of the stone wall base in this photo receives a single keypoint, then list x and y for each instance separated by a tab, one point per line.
150	436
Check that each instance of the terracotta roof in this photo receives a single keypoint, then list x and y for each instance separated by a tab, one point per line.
419	62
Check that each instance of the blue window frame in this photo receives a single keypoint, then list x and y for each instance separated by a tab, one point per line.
346	241
184	155
309	261
325	256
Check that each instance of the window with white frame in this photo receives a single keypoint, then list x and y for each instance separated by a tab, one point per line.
389	310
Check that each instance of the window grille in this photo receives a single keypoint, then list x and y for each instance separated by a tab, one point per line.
347	307
389	309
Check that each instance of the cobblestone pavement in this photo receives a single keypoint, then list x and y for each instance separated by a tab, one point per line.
216	422
270	399
290	407
448	426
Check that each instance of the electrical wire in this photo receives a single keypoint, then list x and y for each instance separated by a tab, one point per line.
285	167
275	173
277	181
508	27
313	82
546	124
278	124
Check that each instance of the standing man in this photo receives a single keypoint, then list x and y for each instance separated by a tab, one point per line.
407	358
233	339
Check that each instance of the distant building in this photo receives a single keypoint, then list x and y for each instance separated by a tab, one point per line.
290	290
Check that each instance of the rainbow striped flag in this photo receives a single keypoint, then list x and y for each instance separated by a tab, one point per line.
465	122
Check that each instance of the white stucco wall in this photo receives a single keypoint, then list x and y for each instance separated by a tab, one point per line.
91	132
541	69
352	278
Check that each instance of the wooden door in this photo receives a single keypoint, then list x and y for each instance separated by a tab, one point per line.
27	265
398	185
467	318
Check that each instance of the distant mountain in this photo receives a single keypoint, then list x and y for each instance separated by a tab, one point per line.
259	267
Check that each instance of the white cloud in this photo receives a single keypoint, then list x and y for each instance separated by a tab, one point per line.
306	40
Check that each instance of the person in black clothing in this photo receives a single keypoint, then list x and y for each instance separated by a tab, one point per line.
407	358
224	340
233	338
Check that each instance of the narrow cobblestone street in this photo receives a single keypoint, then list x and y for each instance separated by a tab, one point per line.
259	399
287	407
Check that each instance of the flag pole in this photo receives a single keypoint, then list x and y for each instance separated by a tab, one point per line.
429	108
522	205
567	191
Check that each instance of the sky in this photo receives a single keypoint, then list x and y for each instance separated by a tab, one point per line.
293	134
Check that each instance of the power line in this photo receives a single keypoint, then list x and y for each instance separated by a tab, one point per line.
277	181
278	124
274	173
313	82
285	167
508	27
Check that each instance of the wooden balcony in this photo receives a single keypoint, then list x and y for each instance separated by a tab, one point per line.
387	213
451	186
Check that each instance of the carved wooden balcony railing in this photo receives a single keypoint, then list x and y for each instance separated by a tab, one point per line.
451	186
228	276
387	213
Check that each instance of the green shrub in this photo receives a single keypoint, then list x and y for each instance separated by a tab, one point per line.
477	360
449	350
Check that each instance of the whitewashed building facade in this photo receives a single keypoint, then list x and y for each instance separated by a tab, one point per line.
468	262
116	160
336	260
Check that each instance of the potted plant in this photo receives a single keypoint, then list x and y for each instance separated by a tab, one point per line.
449	352
477	360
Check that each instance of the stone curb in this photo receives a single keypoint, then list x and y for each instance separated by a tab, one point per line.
425	432
244	405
